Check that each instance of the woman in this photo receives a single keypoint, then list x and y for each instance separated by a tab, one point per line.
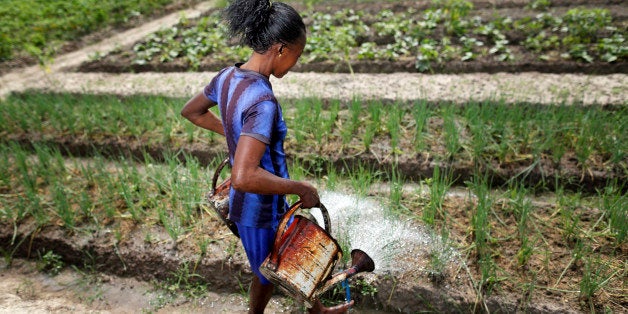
252	122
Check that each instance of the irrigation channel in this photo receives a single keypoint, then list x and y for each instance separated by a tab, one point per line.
133	268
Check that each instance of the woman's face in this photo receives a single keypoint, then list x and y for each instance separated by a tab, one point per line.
287	57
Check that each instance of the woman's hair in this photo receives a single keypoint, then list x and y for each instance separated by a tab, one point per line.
262	23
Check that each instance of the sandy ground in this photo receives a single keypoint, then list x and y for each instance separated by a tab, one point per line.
23	289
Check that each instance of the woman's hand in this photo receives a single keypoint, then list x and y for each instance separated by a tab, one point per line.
309	197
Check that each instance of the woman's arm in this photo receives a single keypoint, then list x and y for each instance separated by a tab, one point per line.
248	176
197	111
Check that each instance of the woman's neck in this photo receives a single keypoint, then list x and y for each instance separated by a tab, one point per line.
260	63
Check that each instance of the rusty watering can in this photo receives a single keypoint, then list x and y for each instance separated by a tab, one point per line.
304	255
218	198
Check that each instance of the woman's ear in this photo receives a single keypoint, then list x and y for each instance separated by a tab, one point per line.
281	48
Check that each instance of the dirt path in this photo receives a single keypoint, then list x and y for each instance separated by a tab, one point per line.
24	289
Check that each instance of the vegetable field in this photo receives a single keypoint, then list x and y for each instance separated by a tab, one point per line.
438	36
531	197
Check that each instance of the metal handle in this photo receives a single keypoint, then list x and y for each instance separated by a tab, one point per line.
281	229
217	173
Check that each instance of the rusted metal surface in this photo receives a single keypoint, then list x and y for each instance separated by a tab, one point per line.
303	257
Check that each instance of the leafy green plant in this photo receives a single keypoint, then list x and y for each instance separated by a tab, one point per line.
539	5
190	42
365	288
583	24
428	54
455	12
50	263
613	48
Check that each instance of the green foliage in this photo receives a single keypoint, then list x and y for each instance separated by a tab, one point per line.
584	24
613	48
190	42
50	263
331	36
445	31
595	276
614	204
540	5
439	185
38	27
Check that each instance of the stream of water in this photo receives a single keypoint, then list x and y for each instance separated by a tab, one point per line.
363	223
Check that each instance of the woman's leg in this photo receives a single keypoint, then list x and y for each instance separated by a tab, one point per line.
259	295
257	243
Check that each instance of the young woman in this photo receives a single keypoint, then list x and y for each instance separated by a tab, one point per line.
252	122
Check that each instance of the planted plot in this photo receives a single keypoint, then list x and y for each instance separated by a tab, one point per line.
82	195
580	147
445	36
39	29
562	245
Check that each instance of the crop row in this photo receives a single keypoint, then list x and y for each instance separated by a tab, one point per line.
40	187
480	133
444	32
39	28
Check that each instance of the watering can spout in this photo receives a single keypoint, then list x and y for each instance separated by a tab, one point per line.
360	262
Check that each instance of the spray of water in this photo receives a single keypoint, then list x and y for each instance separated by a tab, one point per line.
363	224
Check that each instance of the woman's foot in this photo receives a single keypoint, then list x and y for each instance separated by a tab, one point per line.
319	308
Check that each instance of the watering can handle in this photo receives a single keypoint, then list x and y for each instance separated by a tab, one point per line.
281	229
217	173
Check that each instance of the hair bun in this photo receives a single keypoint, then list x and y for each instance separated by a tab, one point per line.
261	23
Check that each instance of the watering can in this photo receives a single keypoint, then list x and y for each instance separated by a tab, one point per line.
304	255
218	198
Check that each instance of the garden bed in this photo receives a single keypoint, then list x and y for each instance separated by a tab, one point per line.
428	37
57	28
132	204
115	185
